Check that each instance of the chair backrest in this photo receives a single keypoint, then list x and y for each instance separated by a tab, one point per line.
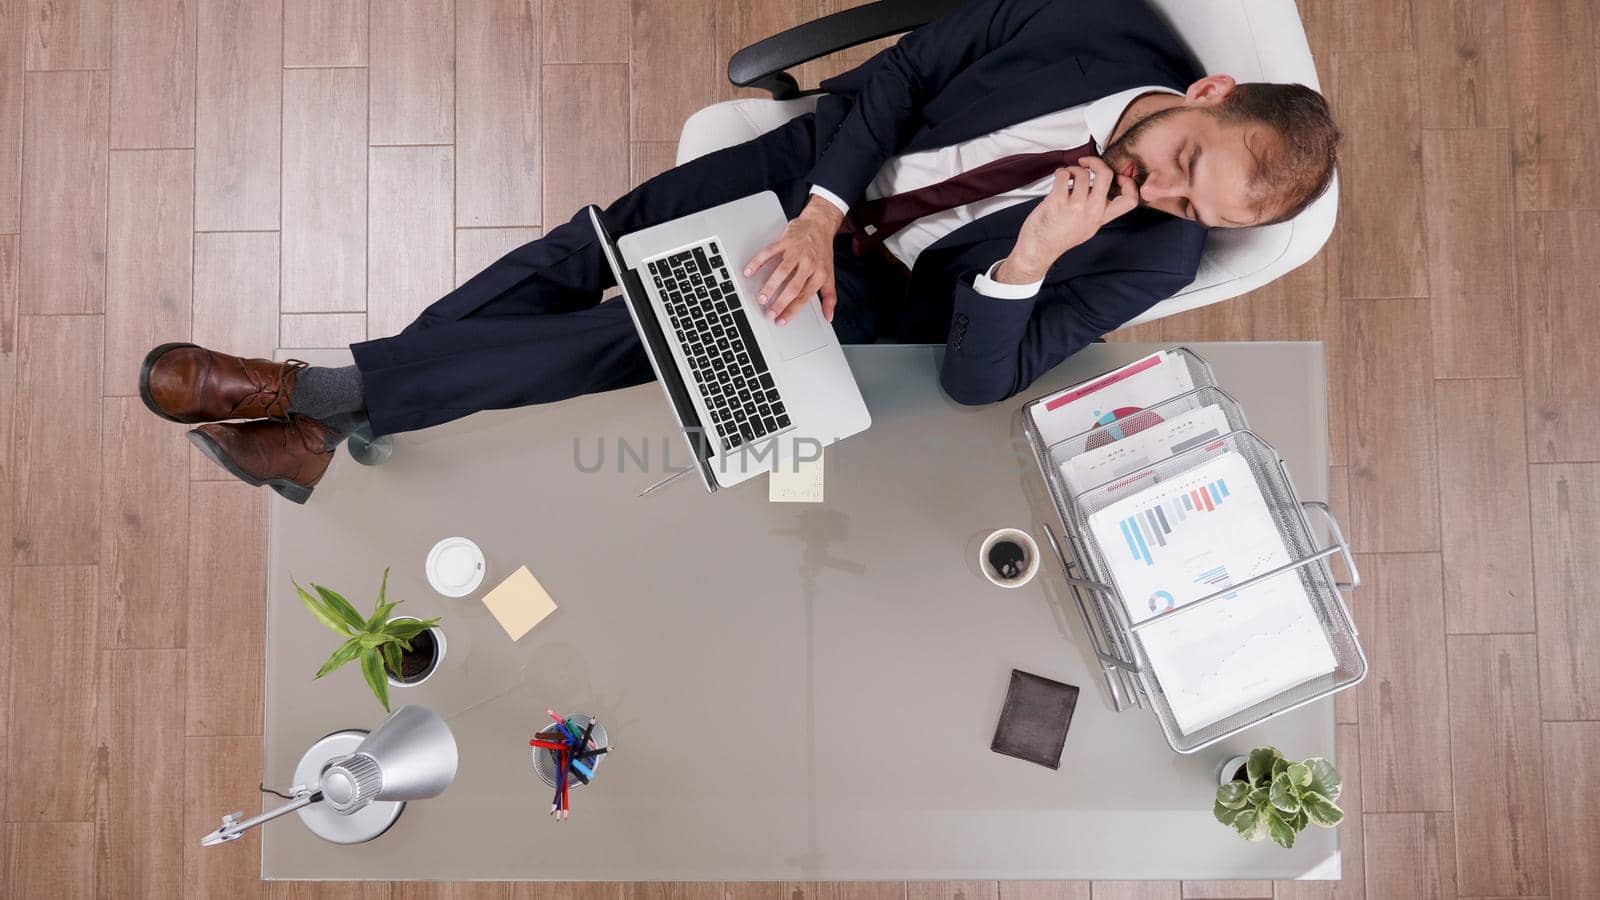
1252	40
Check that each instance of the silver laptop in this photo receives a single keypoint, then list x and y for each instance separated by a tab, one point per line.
750	395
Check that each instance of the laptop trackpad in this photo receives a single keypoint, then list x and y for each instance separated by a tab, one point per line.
804	333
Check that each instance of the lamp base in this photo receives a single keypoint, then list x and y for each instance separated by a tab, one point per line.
362	825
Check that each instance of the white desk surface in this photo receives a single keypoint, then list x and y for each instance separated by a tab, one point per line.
847	658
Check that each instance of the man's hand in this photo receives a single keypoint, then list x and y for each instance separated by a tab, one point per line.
1069	215
805	263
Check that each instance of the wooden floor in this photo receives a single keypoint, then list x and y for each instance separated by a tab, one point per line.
249	173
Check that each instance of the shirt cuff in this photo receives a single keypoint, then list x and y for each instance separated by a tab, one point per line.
987	286
831	197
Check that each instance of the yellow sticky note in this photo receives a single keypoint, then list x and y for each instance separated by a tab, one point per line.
519	603
796	481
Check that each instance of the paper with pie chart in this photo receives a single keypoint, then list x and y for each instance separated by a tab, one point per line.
1188	536
1112	397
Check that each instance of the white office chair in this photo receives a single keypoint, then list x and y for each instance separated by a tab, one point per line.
1252	40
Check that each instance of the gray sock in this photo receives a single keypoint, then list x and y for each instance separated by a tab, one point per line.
324	393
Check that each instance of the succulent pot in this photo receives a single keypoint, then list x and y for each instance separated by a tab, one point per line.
420	662
1233	769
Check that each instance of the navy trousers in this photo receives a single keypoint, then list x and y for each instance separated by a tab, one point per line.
531	328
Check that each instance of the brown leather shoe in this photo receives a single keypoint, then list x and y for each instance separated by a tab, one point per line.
288	456
188	383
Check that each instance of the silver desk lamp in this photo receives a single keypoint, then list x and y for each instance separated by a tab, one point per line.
351	785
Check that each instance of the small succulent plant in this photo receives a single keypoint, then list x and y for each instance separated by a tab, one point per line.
1278	798
374	640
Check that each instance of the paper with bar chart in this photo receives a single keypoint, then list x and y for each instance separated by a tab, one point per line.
1178	540
1141	449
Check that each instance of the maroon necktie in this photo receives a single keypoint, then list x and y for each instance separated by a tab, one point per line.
873	221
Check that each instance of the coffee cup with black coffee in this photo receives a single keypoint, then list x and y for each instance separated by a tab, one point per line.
1009	558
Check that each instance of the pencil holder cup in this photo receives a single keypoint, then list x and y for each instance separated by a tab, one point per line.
544	761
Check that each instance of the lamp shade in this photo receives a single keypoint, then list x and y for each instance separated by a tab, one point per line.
411	756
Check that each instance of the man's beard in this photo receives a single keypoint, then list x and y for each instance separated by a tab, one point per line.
1121	152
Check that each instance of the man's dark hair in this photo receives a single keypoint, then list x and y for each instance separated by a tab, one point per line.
1296	167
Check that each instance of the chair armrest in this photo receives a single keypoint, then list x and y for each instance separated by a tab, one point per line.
763	64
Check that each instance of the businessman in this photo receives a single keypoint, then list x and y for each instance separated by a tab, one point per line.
1013	180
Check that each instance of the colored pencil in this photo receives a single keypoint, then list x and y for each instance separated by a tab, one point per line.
590	753
546	745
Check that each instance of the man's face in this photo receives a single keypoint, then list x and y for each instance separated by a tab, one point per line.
1191	164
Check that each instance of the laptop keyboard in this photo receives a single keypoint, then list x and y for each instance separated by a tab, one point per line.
715	334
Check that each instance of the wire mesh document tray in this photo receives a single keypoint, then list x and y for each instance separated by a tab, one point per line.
1122	645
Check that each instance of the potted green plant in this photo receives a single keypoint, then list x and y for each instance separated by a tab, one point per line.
386	647
1269	796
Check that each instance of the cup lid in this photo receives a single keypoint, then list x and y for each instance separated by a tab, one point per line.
455	567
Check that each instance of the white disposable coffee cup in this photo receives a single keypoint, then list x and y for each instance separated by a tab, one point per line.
455	567
1030	552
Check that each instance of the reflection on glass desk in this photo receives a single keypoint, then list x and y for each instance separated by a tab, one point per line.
847	659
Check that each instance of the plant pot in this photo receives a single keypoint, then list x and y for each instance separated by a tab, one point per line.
421	661
1232	770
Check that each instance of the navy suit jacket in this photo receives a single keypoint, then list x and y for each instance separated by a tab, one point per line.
988	65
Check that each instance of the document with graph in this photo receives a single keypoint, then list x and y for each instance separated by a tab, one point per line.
1113	397
1176	541
1141	449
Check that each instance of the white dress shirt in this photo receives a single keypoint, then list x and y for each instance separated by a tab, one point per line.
1060	130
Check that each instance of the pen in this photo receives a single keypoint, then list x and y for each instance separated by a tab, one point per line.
587	754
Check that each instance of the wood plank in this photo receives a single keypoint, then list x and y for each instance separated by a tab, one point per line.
56	444
221	775
322	329
153	73
1558	290
235	305
1461	63
1137	890
1044	890
1467	186
410	250
1227	890
144	535
1483	500
676	69
236	292
1394	490
478	248
1566	516
1572	762
1495	761
227	609
740	24
13	20
1411	855
69	34
1338	25
140	756
879	890
52	859
1555	107
952	890
8	403
1229	320
150	266
1352	876
1381	251
238	114
1404	719
324	33
461	890
54	674
593	31
586	149
324	190
64	208
497	114
647	159
411	67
